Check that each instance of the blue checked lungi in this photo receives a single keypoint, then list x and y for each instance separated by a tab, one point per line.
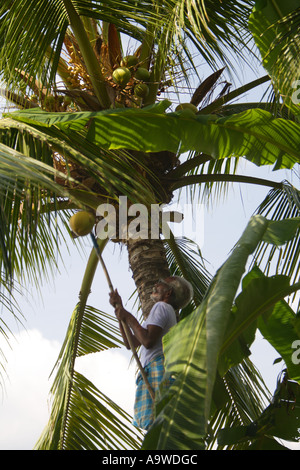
144	405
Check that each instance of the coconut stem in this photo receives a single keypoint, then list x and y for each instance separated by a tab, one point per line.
90	59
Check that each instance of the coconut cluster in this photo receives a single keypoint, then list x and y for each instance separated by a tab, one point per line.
131	72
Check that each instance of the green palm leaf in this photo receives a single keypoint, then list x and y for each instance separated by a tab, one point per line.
94	422
279	205
22	24
114	172
32	33
279	419
185	259
241	403
29	231
81	416
275	28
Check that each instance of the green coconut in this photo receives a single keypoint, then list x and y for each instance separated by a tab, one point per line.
190	106
129	61
82	223
141	90
142	74
121	76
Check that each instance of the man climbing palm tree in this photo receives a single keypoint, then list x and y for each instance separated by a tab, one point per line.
169	295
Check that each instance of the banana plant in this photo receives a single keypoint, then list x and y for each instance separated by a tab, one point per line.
217	336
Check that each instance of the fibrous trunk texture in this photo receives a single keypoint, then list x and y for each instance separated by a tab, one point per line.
147	260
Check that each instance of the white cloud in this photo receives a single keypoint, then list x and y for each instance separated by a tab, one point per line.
24	408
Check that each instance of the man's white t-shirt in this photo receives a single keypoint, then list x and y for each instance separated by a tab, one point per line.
162	315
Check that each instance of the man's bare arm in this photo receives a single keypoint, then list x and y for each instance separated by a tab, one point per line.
145	336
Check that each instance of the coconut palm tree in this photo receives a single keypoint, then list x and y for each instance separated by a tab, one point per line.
100	115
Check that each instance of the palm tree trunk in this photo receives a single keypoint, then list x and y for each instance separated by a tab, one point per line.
147	260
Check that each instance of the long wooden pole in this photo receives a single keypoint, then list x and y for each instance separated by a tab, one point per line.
125	327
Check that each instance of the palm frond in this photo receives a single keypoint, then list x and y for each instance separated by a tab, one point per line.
10	308
209	168
26	33
185	259
244	398
29	203
130	17
254	134
279	420
81	416
99	331
276	33
214	28
94	422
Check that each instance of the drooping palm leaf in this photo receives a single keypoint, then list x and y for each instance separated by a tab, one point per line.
209	26
275	28
29	233
280	419
237	405
185	259
10	306
16	22
114	172
81	416
279	205
94	421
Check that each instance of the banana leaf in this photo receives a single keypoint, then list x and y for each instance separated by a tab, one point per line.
254	134
192	349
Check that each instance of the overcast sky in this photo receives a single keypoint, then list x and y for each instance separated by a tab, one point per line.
34	350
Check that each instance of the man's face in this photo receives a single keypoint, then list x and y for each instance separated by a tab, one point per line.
159	291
